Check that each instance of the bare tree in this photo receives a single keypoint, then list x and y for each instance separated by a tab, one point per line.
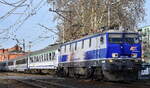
83	17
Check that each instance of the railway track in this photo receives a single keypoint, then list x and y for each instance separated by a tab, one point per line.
37	81
44	84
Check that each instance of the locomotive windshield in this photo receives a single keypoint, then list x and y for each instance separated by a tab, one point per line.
115	38
131	38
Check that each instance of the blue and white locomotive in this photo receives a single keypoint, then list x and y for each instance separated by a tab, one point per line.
111	55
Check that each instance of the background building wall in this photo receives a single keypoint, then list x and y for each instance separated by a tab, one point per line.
11	53
145	32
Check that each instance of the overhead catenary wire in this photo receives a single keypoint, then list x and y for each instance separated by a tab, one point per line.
12	10
21	20
34	10
12	4
20	23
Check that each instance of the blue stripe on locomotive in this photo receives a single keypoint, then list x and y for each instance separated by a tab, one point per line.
89	55
95	54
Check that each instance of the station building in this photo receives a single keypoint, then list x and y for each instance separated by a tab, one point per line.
145	33
11	53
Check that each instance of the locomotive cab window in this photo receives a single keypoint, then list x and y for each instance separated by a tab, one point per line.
115	38
131	38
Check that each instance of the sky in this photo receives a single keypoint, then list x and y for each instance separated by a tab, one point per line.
30	31
36	12
146	22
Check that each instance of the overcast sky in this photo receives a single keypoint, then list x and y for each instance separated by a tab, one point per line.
37	13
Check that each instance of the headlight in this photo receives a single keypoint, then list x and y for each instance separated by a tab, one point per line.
110	60
134	55
114	55
143	60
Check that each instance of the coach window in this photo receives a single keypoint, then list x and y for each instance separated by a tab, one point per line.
53	55
10	63
31	60
90	40
34	59
41	58
37	58
47	56
82	44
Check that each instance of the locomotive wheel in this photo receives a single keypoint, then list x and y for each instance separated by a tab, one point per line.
98	74
89	72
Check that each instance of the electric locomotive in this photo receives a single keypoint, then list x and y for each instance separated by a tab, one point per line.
115	56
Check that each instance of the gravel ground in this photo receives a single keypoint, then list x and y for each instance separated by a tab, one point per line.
20	80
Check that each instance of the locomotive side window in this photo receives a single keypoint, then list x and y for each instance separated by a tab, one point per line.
70	47
102	40
82	44
115	38
79	46
90	42
62	49
65	49
86	43
76	45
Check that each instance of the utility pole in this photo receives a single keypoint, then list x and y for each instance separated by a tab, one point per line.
30	46
23	45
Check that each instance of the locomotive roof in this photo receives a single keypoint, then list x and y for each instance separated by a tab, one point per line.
94	35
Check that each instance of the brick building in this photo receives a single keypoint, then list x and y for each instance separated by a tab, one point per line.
11	53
